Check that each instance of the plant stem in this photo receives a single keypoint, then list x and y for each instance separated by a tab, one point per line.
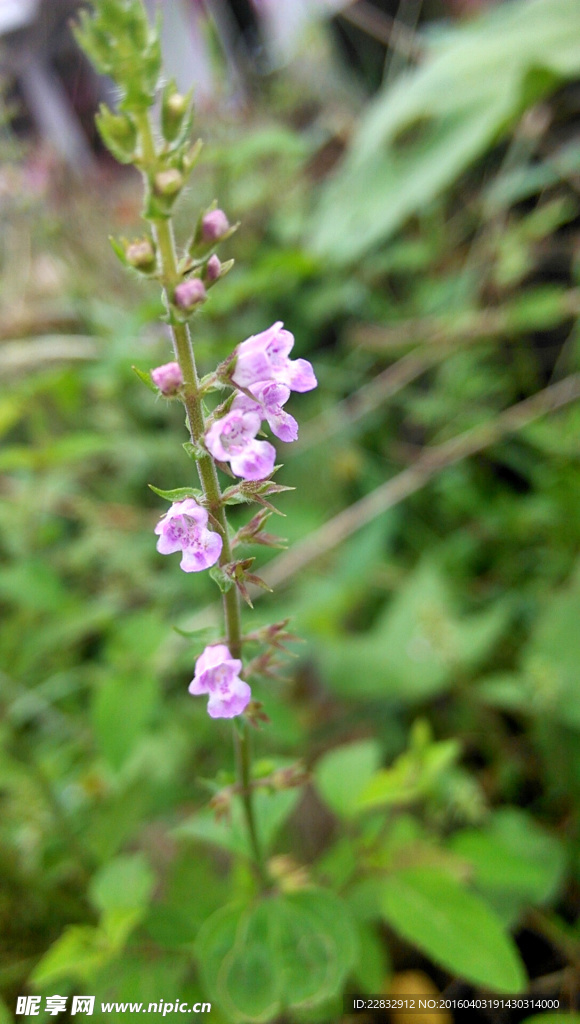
170	278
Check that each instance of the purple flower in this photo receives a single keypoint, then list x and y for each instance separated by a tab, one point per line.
168	378
189	293
216	673
184	528
232	438
270	397
213	268
264	357
214	225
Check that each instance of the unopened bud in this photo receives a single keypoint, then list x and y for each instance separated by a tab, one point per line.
168	378
118	133
168	183
177	104
213	269
189	293
214	225
140	254
173	110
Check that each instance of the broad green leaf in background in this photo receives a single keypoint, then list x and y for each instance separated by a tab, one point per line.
547	683
124	883
372	966
453	927
342	774
123	707
285	951
551	658
514	855
417	644
418	136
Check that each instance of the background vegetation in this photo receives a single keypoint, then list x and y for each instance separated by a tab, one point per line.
423	247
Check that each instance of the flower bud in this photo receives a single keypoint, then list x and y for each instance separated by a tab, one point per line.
189	294
168	378
168	183
212	269
177	104
140	254
118	133
174	107
214	225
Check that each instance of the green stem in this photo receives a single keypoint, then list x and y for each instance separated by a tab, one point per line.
170	278
243	752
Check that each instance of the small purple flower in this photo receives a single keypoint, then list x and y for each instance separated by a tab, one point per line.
214	225
232	438
216	673
270	397
213	268
264	357
184	528
168	378
189	293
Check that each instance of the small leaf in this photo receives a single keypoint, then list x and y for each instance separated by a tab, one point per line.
219	576
200	636
178	493
195	451
145	379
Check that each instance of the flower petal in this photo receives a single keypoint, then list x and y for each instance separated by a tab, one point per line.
256	461
301	376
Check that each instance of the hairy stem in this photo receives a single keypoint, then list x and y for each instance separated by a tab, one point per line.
163	233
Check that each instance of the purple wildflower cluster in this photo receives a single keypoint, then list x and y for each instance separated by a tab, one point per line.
264	377
262	368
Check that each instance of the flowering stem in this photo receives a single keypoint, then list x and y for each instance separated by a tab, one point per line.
170	278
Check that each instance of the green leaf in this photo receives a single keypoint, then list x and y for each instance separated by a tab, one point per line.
513	855
413	775
372	966
453	927
145	379
291	951
79	953
416	646
420	134
178	493
551	659
223	581
342	774
123	707
125	883
117	925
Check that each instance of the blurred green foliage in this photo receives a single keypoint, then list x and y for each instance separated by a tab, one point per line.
436	700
